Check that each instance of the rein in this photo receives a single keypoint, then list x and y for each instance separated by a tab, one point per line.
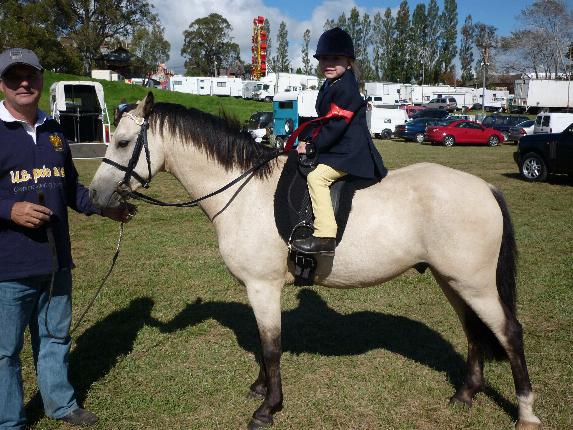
124	190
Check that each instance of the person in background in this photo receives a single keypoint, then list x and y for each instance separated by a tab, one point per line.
38	182
341	144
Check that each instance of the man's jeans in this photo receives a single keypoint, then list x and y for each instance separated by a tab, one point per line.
23	302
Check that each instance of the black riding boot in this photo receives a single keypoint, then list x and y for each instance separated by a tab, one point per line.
315	245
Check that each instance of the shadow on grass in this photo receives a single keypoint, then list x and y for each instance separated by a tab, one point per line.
551	179
98	349
312	327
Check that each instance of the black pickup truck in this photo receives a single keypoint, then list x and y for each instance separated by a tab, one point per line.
538	155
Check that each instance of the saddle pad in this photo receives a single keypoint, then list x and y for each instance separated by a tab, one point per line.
292	203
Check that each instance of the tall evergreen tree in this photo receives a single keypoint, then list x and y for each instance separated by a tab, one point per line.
341	22
448	36
354	29
281	60
389	63
467	51
364	54
305	58
328	24
418	47
403	70
432	43
378	48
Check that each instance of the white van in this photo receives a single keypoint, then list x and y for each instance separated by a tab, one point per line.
382	121
554	122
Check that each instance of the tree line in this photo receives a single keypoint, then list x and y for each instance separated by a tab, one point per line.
68	35
419	45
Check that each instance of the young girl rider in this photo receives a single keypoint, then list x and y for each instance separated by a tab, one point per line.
342	144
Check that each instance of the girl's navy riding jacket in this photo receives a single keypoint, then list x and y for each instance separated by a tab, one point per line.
26	168
346	144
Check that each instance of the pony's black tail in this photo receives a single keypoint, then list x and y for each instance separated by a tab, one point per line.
506	288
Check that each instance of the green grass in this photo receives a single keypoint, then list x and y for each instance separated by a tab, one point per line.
115	91
169	344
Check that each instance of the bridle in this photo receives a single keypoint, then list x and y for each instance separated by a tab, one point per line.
140	144
124	190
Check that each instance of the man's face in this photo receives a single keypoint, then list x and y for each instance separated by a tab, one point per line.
22	86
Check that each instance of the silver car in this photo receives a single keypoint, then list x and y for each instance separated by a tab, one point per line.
519	130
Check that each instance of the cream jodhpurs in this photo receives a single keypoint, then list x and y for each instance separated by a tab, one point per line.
319	182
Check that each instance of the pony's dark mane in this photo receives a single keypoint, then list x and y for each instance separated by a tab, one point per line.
220	137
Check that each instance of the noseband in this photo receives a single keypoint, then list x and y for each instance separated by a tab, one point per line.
140	144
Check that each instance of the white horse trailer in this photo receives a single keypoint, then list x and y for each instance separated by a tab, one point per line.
226	86
382	121
184	84
537	94
389	91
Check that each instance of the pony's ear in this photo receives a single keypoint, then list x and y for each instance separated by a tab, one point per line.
145	106
148	104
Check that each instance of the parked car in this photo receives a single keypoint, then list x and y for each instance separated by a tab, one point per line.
552	122
411	110
539	155
522	129
414	129
463	131
431	113
446	103
503	123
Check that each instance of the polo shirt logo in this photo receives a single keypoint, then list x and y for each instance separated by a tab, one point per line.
56	142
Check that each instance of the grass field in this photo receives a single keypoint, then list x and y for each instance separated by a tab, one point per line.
170	342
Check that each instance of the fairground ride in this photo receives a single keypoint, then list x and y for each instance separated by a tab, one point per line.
259	48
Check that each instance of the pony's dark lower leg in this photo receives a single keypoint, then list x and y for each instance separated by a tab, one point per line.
525	397
474	381
270	370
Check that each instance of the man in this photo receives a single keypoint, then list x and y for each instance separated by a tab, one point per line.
38	181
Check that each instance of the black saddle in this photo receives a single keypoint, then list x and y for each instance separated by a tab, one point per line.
293	209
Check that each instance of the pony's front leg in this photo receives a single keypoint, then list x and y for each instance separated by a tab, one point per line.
265	298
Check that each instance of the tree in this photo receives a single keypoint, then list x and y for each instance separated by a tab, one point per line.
378	48
419	31
401	54
35	25
89	24
149	46
388	64
541	44
365	42
208	45
432	49
281	60
328	24
448	36
305	57
467	51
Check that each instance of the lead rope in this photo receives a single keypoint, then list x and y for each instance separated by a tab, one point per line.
55	268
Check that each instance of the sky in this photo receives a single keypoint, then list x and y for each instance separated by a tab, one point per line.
176	16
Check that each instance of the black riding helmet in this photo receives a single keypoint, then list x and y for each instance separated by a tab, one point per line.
335	41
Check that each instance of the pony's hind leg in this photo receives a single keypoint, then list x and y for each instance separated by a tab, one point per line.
265	300
474	380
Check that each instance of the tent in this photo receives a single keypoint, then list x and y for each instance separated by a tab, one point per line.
79	107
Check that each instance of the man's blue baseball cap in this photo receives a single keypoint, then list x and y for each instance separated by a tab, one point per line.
15	56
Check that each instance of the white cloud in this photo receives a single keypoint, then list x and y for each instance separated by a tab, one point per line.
176	16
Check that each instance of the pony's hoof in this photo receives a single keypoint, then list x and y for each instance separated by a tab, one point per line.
457	402
527	425
256	424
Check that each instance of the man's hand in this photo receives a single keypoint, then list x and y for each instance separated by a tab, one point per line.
122	213
30	215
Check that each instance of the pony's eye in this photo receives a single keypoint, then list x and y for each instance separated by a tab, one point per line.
123	143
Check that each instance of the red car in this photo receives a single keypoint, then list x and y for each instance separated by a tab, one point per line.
463	131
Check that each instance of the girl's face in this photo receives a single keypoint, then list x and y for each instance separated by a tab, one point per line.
333	66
